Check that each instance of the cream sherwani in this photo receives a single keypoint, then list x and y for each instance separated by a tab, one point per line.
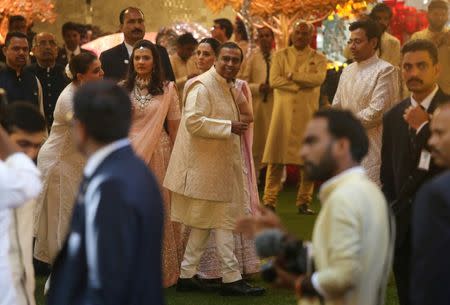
206	173
442	41
21	252
369	89
256	74
352	248
182	69
390	50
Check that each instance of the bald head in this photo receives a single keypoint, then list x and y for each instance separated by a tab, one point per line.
45	49
302	34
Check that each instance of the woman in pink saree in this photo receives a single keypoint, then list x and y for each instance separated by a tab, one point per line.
210	267
156	116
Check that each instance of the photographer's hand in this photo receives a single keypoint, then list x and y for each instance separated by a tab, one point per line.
252	225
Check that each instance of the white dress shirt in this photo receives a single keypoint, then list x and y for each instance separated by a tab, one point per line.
91	200
425	104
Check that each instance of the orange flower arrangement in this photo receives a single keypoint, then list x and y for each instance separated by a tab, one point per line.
32	10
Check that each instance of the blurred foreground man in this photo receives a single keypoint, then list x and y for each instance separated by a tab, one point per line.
351	243
27	129
113	252
431	222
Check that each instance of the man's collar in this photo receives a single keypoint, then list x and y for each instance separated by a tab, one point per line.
129	48
426	101
100	155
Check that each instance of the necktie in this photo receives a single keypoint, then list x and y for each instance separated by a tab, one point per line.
267	60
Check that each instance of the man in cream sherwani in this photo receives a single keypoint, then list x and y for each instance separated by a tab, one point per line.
352	244
369	87
206	172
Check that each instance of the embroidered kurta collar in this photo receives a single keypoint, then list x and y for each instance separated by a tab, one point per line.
368	62
221	79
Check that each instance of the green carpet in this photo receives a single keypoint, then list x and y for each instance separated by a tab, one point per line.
299	225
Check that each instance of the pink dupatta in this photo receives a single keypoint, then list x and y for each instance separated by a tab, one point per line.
243	92
146	131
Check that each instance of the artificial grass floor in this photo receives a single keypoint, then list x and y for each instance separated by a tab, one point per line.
299	225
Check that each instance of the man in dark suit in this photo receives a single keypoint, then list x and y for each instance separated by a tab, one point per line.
431	223
113	252
405	155
115	60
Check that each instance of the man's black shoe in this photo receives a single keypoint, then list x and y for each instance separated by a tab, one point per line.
191	284
240	288
211	284
305	210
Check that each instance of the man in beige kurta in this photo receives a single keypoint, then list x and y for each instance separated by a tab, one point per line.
296	75
206	173
439	34
257	75
369	87
183	60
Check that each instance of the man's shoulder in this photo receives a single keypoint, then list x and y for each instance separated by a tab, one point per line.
114	51
398	109
420	34
439	184
391	38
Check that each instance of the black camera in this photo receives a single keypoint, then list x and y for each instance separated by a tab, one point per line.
289	251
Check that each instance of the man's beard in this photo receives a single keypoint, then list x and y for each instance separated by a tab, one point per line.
322	171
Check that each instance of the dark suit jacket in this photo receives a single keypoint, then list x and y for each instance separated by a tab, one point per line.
62	56
399	173
430	242
115	62
129	222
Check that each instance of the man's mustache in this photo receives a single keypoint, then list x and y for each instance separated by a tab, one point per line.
415	79
137	31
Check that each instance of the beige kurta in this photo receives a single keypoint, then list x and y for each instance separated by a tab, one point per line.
351	244
389	50
206	169
295	101
442	41
243	44
182	69
369	89
255	74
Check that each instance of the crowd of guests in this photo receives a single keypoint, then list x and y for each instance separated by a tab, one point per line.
207	120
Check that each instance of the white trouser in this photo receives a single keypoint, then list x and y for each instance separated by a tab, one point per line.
196	245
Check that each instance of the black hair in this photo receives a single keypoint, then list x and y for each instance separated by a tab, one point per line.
23	116
267	28
380	8
226	25
104	108
71	26
421	45
186	39
438	5
12	35
343	124
80	63
229	45
240	28
156	84
15	18
124	11
370	27
213	43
